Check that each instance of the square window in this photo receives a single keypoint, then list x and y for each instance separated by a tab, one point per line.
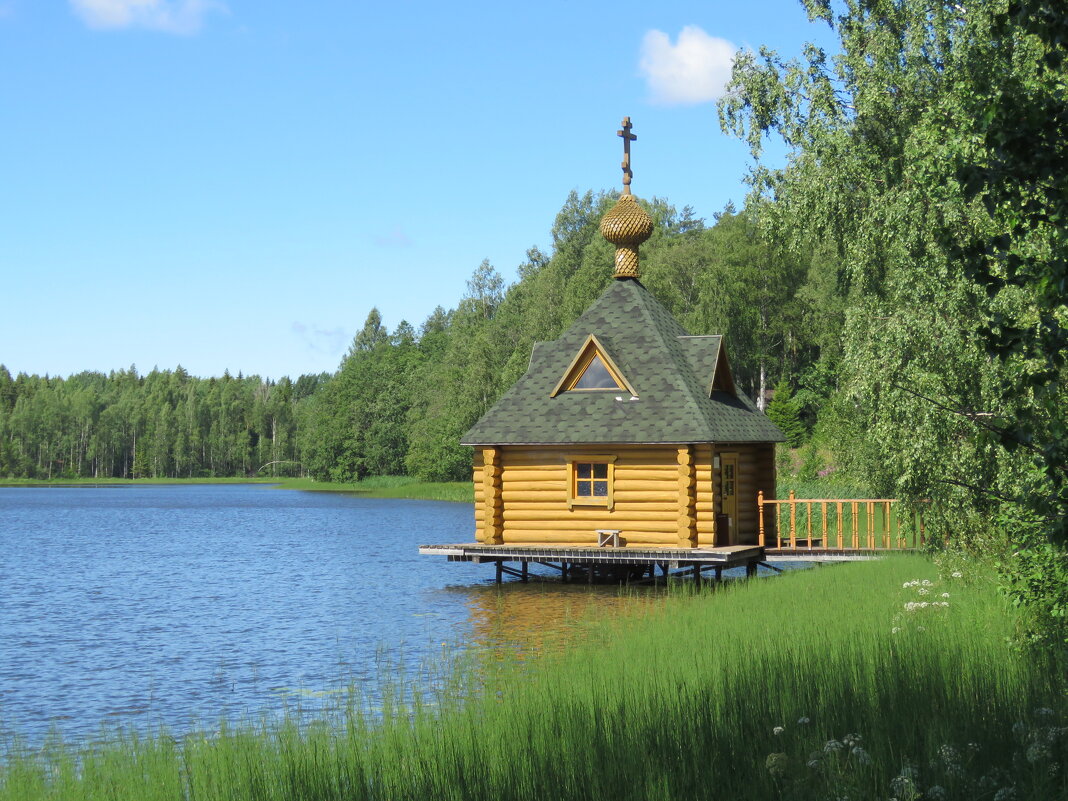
591	482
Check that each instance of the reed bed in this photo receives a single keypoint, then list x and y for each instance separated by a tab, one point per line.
875	680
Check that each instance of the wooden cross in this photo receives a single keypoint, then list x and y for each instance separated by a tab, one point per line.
628	137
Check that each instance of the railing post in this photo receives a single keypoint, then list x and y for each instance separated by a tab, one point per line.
808	522
841	528
760	516
871	525
856	525
793	520
823	507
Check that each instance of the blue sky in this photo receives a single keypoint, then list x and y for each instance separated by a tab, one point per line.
233	185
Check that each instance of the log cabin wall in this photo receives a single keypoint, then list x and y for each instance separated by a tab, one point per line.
756	471
706	483
480	496
646	492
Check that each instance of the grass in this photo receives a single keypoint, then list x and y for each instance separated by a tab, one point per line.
753	691
371	487
389	487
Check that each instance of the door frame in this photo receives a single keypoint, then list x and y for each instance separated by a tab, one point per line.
729	460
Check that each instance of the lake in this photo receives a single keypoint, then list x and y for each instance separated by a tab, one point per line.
177	605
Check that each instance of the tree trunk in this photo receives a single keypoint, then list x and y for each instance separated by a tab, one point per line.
761	403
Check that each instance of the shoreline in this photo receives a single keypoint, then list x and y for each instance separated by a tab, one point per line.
399	487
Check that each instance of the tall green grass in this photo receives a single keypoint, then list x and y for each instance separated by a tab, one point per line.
723	694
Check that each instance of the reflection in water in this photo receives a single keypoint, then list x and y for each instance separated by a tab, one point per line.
526	619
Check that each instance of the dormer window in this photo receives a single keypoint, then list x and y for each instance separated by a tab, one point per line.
593	370
596	376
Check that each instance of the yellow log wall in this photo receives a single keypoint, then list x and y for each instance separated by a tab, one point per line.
663	495
646	486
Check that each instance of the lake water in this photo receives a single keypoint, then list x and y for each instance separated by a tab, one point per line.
178	605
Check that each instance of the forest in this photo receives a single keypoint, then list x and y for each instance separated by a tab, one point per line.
901	282
400	399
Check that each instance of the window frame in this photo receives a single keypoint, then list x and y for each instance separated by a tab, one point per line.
573	374
573	498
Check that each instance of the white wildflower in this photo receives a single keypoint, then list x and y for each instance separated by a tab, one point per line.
957	574
1037	752
926	583
778	730
923	591
945	595
921	628
832	746
903	786
852	739
802	721
949	754
1043	712
895	630
859	754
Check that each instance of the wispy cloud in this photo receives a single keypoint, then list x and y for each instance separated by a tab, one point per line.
169	16
394	239
329	341
693	70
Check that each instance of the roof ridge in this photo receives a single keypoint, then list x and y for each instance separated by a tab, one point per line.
680	364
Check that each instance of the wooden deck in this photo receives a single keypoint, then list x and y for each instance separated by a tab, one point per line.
637	564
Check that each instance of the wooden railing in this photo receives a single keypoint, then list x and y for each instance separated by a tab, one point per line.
837	524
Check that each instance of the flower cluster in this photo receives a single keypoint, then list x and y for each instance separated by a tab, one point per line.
841	768
922	588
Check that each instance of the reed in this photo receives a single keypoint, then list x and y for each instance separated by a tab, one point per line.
815	684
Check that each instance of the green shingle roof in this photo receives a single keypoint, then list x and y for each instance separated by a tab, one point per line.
671	372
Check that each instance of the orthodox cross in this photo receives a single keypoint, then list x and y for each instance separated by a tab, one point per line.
628	137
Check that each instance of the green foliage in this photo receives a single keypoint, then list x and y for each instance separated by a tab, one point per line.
925	154
784	413
163	424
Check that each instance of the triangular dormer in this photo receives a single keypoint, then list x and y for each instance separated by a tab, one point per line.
593	370
722	379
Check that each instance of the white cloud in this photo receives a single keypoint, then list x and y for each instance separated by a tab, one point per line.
694	70
171	16
329	341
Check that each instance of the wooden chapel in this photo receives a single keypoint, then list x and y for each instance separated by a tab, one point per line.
626	424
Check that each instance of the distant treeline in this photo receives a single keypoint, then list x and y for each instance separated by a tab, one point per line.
400	400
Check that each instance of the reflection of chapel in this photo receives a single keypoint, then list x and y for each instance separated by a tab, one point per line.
625	423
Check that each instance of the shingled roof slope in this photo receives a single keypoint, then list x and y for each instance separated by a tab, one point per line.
670	371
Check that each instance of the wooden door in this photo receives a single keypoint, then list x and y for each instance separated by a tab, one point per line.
728	485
